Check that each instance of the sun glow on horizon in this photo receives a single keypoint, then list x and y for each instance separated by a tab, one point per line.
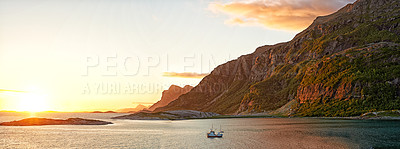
32	102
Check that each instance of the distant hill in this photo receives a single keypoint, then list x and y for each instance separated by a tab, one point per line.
131	110
343	64
170	95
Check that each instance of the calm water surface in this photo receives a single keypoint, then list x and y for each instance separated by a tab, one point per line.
239	133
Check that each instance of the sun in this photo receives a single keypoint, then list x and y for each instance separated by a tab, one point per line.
32	102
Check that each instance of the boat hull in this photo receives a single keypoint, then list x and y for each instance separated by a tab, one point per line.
214	136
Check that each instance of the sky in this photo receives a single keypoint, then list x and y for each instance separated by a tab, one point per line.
85	55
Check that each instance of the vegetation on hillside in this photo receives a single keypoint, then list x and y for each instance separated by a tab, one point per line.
374	75
354	29
275	91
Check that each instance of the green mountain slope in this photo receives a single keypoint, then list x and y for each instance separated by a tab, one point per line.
352	82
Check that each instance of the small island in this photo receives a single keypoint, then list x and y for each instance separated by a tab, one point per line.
47	121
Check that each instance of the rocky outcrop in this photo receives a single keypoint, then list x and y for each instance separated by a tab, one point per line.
382	115
273	75
47	121
168	115
170	95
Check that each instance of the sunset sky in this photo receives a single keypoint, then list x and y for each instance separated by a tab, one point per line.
84	55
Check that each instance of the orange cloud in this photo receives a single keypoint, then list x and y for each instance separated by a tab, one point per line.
185	74
291	15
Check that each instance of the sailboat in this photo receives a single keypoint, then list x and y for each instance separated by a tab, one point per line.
212	134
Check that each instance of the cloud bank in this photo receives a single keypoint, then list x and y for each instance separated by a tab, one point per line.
292	15
185	75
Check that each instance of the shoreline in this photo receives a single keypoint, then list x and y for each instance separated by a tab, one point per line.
379	115
331	118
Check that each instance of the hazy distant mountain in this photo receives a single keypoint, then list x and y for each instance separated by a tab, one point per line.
131	110
169	95
343	64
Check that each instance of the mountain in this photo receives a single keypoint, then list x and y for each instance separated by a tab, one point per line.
343	64
130	110
169	95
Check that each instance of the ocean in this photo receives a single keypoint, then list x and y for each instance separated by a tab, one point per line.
239	133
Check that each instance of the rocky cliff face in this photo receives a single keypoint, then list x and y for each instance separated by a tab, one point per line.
273	75
169	95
